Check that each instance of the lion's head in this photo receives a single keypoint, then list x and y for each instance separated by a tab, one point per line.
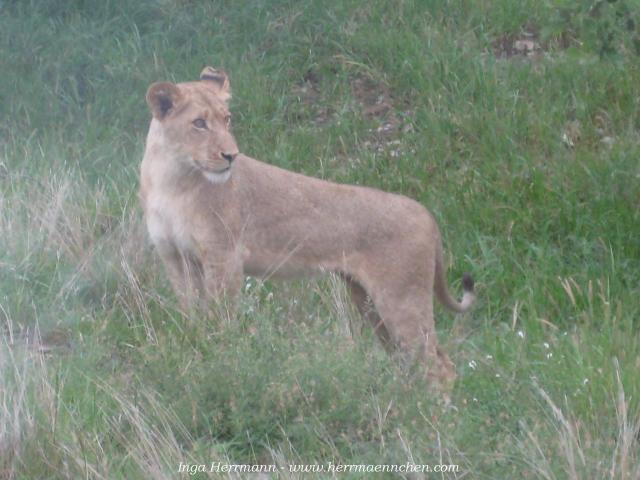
195	122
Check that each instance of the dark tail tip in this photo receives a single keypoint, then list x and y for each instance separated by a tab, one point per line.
467	282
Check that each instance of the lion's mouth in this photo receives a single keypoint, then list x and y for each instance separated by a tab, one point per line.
212	171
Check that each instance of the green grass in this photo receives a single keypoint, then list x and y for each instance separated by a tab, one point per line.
101	375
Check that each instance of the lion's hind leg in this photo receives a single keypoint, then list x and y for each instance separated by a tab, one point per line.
368	312
407	314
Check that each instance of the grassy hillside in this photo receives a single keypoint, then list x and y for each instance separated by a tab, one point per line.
515	123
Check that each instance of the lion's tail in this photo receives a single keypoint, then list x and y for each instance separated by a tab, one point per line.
442	291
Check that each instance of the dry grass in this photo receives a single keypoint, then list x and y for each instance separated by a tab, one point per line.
581	454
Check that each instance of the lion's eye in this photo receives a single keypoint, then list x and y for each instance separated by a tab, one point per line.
200	123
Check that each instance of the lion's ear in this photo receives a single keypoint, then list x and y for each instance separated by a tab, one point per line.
162	97
219	78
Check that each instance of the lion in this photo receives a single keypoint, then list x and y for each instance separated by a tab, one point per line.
215	215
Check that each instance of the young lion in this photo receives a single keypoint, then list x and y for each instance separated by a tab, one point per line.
215	215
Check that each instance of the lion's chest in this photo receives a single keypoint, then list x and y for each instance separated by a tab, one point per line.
168	223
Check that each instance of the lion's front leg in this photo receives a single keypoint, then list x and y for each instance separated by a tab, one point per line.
223	276
185	275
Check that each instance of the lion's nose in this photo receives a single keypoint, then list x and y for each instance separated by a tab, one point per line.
229	157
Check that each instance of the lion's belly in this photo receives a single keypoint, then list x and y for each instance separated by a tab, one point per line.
286	265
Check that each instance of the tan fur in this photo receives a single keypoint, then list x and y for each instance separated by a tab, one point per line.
216	216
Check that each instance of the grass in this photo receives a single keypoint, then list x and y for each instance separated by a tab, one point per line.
529	163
